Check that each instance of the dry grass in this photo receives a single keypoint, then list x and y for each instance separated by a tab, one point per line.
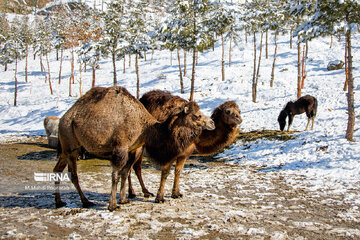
267	134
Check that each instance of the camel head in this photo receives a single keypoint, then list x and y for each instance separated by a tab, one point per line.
228	113
189	115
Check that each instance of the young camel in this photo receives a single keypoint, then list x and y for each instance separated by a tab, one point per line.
226	118
111	123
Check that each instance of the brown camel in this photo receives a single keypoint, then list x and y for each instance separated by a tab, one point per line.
226	118
111	123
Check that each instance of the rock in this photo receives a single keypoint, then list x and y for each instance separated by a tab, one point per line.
335	65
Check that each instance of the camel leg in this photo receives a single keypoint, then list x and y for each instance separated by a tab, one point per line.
137	169
114	180
125	174
118	161
131	191
59	167
75	180
165	171
178	168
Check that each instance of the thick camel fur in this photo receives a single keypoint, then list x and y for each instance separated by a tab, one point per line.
226	118
111	123
51	125
306	104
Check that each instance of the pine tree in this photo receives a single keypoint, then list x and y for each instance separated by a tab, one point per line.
26	34
16	49
114	41
4	37
187	29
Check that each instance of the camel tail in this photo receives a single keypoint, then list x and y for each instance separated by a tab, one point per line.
58	148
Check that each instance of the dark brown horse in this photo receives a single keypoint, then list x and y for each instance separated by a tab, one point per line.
306	104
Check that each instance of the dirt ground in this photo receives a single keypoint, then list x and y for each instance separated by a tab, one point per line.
221	201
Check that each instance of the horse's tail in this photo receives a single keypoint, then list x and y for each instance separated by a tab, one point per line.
314	110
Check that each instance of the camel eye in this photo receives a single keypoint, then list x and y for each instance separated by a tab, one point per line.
196	117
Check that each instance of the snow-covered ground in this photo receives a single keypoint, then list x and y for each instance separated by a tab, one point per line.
323	155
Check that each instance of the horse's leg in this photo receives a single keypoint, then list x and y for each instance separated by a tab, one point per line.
291	118
312	122
59	167
307	125
178	168
74	178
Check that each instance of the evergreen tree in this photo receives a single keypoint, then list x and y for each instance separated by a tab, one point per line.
222	23
16	50
115	29
4	37
188	30
26	34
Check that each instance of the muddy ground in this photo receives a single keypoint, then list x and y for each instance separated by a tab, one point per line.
221	201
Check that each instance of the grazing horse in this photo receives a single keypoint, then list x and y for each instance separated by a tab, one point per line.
307	104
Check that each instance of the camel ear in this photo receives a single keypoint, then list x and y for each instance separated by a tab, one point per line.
191	106
186	109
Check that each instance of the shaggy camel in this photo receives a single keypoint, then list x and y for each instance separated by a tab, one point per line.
226	118
306	104
51	125
111	123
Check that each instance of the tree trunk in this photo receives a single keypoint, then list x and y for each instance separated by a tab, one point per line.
185	56
41	64
61	61
26	63
331	41
93	75
193	76
80	78
152	56
303	69
137	76
291	31
16	83
171	58
124	65
48	65
254	73
260	55
346	67
230	49
266	45
129	60
222	58
114	68
350	94
180	72
72	72
299	71
274	62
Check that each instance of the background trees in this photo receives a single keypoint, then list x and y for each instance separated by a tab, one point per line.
336	17
134	27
